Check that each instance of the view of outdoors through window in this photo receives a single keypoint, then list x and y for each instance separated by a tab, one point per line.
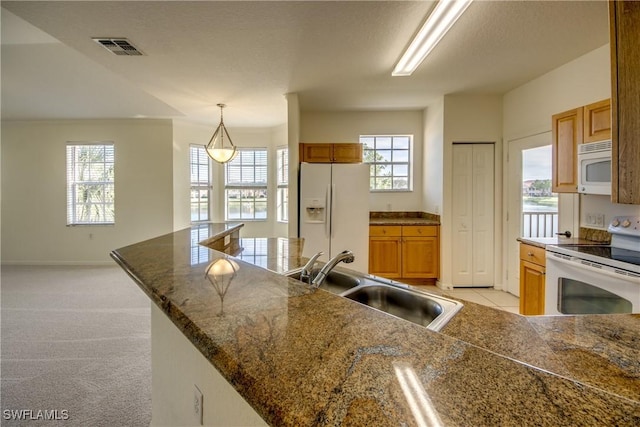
539	204
390	159
90	184
246	185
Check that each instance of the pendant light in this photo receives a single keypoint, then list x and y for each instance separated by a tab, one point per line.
216	148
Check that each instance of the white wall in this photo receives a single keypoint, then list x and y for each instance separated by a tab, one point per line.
336	127
433	157
470	118
34	197
186	133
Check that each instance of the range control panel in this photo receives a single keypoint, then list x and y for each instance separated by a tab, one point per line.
627	225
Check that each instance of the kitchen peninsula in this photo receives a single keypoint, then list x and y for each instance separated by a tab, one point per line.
304	357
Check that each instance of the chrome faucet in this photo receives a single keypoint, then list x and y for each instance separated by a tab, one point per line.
344	256
305	274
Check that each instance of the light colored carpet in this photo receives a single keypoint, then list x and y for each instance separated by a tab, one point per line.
75	339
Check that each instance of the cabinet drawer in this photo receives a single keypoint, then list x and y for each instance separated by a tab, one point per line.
385	230
532	254
420	230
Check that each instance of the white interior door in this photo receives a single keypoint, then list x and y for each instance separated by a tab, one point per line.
462	243
483	215
473	215
514	204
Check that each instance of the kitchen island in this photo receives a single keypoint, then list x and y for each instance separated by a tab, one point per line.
302	357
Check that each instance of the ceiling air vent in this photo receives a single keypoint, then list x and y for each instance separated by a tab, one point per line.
118	46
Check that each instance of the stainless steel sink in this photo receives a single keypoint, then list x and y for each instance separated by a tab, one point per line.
396	299
336	281
430	311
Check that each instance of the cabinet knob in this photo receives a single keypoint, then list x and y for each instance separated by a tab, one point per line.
529	253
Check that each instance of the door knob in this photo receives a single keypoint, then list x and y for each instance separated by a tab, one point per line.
566	234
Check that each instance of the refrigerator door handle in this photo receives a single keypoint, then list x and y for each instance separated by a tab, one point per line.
333	198
328	216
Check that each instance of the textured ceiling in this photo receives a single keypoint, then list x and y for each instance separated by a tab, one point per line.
335	55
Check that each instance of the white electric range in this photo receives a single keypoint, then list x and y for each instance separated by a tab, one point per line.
596	279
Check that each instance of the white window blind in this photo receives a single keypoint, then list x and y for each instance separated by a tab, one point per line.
246	185
200	183
283	184
90	183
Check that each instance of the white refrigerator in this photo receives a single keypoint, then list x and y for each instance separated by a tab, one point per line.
334	211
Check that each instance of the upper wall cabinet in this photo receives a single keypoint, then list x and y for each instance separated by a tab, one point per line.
567	134
597	121
624	21
331	153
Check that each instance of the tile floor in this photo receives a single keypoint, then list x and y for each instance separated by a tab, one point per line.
485	296
490	297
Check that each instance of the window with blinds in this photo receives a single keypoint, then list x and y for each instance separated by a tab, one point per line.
200	183
246	185
90	183
390	160
282	204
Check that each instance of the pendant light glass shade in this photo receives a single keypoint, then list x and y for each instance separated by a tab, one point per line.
216	148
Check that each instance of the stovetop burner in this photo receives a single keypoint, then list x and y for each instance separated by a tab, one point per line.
608	252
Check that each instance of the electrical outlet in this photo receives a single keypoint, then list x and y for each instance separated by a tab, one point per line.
600	220
197	404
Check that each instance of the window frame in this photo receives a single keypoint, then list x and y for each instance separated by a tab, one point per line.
108	185
248	186
282	184
408	163
200	185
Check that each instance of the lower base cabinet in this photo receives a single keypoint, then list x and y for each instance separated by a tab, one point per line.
404	252
532	279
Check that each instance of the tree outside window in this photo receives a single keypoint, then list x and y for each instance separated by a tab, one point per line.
90	183
390	160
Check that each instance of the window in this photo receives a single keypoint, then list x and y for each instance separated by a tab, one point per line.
246	185
390	159
200	183
283	184
90	183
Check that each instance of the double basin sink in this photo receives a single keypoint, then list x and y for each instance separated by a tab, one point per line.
396	299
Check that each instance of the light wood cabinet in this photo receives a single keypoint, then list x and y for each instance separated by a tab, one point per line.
532	279
624	21
567	128
404	252
331	153
385	251
597	121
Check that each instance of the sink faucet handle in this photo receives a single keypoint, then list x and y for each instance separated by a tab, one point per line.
305	274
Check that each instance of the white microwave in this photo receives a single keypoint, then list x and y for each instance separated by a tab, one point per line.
594	168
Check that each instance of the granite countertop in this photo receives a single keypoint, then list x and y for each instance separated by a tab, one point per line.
305	357
403	218
543	242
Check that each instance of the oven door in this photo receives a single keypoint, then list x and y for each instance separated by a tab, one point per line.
574	287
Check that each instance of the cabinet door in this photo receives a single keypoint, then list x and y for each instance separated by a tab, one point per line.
385	256
420	257
567	133
624	19
316	153
347	153
597	121
532	281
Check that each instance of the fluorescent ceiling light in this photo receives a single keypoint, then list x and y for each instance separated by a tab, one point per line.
445	14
